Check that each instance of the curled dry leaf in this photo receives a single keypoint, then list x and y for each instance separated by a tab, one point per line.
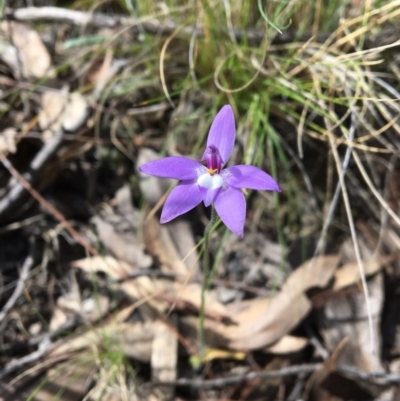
213	332
349	274
158	293
269	319
192	293
283	315
216	342
115	269
32	57
141	288
287	345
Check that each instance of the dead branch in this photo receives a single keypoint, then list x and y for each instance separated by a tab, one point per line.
44	346
44	343
83	19
381	378
224	381
27	265
151	26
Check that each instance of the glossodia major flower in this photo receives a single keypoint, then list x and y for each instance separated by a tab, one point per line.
211	183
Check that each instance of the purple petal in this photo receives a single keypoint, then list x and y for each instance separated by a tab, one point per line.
231	207
244	176
178	167
222	132
184	197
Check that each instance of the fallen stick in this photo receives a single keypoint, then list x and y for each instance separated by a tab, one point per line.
224	381
26	266
380	378
148	25
44	346
90	19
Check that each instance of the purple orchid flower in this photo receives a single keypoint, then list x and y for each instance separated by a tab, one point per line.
211	183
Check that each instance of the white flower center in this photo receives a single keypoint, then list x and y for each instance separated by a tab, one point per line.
209	181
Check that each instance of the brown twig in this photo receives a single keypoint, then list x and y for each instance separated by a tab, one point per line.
47	205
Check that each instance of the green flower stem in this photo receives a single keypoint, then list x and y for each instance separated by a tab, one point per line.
204	287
